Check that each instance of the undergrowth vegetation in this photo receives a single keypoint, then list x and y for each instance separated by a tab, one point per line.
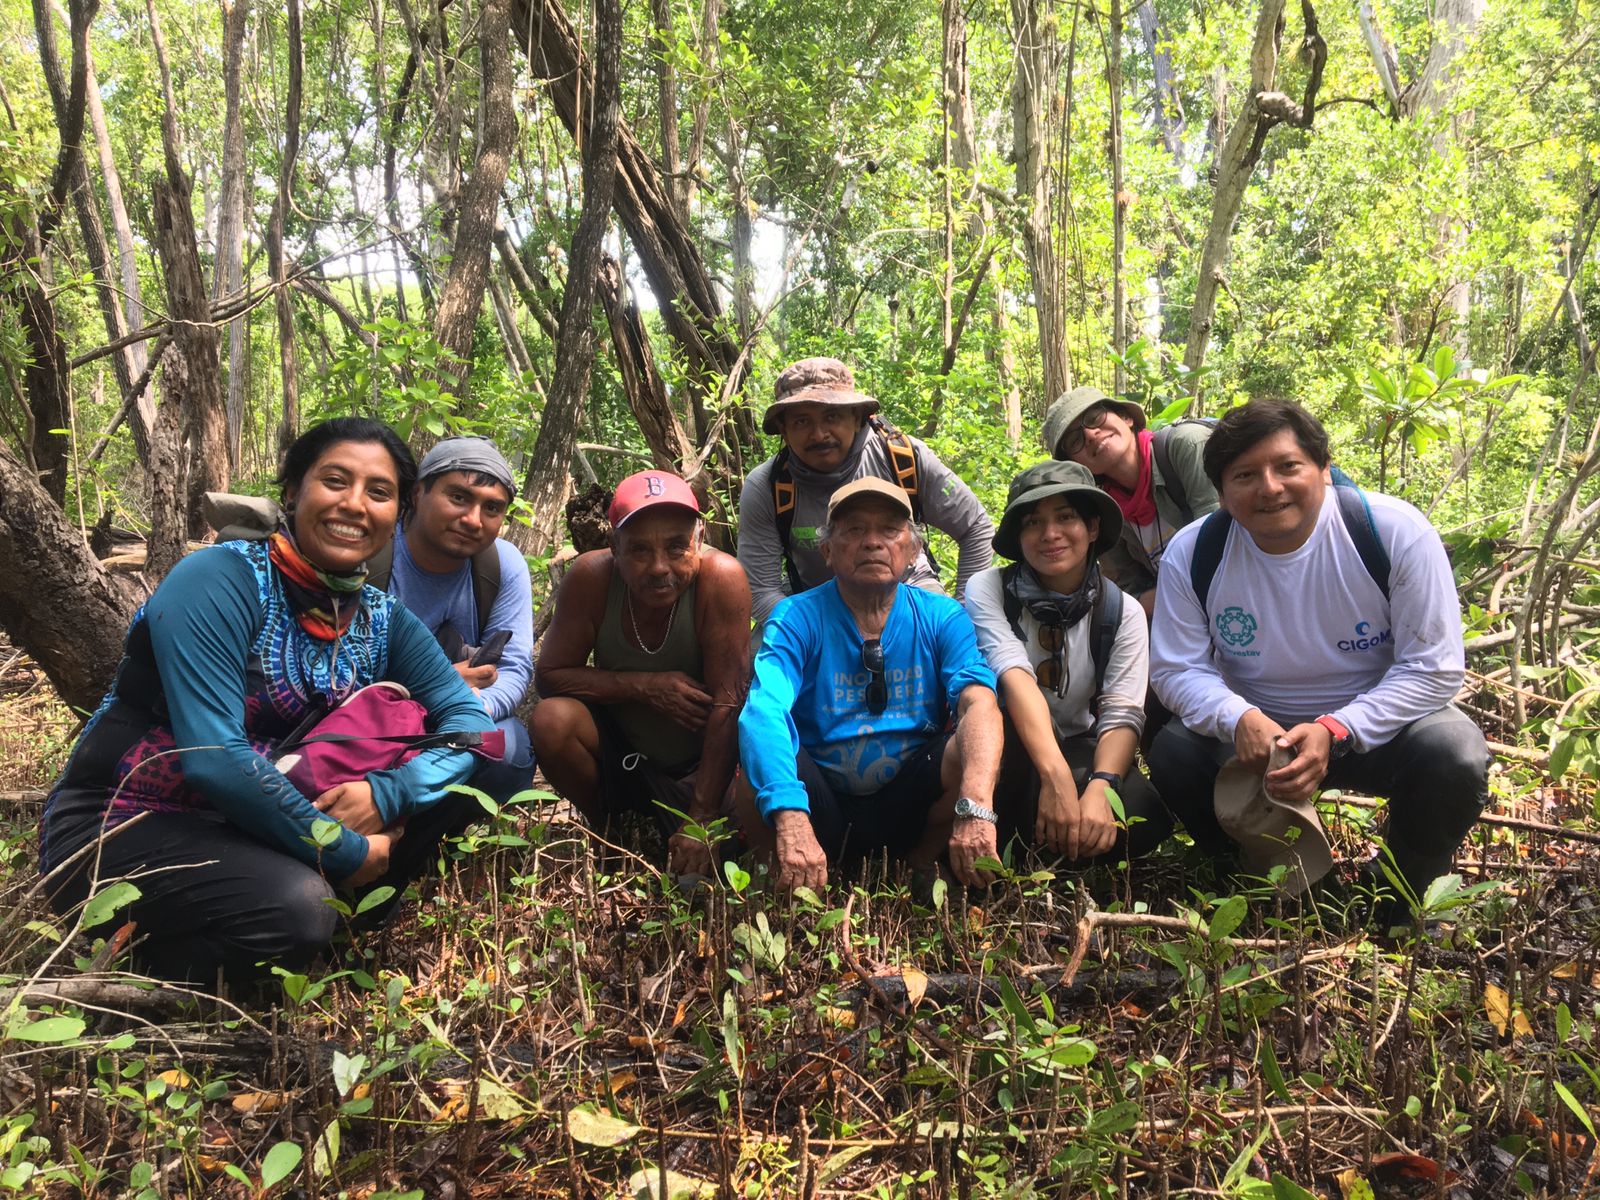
553	1017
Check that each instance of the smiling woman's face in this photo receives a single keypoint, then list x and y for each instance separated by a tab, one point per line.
346	505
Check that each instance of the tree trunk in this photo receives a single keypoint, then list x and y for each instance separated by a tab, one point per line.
647	393
56	602
1119	199
667	105
710	16
1168	104
546	487
277	263
47	375
194	338
228	278
1262	109
462	297
1032	93
169	535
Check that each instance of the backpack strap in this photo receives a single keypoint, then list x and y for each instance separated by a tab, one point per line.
486	583
1107	616
381	565
783	502
1161	452
902	461
1012	606
1354	511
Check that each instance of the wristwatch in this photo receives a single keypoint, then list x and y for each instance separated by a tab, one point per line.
1340	745
966	807
1111	778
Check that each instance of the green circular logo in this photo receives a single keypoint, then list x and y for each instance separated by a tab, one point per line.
1237	627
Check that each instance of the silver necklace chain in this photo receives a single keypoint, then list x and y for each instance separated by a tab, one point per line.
634	621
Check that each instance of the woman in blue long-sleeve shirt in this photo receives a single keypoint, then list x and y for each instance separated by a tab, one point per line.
236	647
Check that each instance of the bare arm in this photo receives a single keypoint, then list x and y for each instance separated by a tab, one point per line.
723	620
981	735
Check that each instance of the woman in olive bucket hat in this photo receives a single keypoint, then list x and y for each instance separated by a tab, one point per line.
1072	654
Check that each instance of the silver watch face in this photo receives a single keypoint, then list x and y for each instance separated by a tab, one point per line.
966	807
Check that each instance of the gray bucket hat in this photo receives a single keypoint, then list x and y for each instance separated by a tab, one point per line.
1055	478
815	381
1271	832
1065	412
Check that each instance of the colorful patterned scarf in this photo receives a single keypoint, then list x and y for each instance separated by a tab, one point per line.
324	603
1139	505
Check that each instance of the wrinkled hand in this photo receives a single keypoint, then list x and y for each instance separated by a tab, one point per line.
801	862
970	840
379	846
689	855
1253	737
1097	827
478	678
352	805
1057	823
673	694
1298	778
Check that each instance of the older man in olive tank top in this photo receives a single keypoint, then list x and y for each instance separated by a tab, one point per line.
644	668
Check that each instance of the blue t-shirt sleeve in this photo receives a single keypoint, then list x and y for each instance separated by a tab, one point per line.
961	663
768	739
203	620
417	663
513	610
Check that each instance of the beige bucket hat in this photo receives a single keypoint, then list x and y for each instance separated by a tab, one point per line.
814	381
1070	407
1271	832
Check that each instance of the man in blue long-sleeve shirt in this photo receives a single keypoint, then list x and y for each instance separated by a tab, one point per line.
845	738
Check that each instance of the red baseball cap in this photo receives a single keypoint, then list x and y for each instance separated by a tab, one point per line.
646	488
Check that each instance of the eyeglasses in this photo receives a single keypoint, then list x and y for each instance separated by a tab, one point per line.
1049	672
1078	435
878	687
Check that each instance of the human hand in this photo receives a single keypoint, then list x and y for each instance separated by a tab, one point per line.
801	862
1253	737
376	866
1296	780
1097	826
970	840
478	678
1057	823
689	855
673	694
352	805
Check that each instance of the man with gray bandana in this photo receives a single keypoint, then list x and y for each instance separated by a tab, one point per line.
832	436
450	567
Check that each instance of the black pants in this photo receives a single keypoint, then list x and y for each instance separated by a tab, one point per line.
214	898
1017	798
1434	773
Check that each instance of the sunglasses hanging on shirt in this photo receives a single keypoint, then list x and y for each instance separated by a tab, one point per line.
878	684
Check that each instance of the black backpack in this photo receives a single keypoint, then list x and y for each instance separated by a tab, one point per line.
485	577
902	460
1170	479
1353	510
1106	616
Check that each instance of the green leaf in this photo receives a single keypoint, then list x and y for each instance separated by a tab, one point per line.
47	1029
327	1151
279	1163
1563	1022
1118	1118
646	1185
1018	1010
1284	1188
593	1127
374	898
107	901
326	833
1561	751
1572	1103
1271	1071
1229	916
738	877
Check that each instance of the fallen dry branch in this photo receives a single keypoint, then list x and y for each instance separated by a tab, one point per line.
1521	824
1094	919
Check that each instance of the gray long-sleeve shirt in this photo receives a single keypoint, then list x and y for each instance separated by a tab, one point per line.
948	505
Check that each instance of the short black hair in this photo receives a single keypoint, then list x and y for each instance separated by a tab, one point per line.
478	479
1250	423
311	445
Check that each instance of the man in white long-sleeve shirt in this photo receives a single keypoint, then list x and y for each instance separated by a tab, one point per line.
1320	618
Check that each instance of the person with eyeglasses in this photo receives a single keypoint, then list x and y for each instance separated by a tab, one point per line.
832	435
872	721
1157	479
1072	654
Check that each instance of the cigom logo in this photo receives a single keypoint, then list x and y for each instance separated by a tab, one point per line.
1365	639
1237	627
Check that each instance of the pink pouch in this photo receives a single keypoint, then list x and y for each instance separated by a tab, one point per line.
377	728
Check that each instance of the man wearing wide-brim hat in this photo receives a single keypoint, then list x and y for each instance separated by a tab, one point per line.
1310	618
845	741
832	436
